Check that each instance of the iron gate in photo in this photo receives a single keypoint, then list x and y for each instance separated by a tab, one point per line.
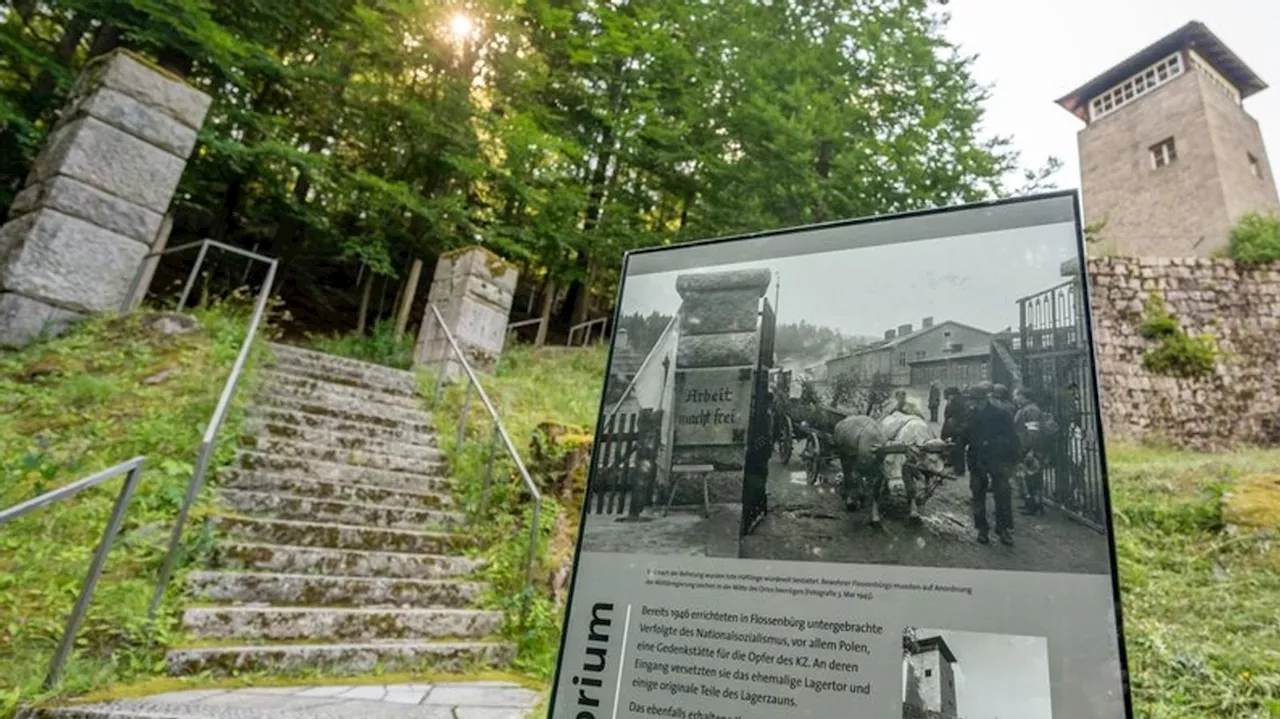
1054	352
755	498
624	466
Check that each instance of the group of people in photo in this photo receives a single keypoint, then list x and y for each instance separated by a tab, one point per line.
999	439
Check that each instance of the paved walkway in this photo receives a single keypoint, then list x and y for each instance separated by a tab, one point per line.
469	700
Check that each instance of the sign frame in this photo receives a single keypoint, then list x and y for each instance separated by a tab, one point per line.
1020	212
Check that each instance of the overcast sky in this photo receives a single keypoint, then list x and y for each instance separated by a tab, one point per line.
1035	51
975	279
999	676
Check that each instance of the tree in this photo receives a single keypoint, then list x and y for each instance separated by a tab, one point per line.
350	137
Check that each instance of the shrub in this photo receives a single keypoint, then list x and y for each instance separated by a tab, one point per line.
1177	353
1255	239
380	346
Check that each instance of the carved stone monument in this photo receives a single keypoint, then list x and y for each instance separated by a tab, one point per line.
716	361
473	289
95	196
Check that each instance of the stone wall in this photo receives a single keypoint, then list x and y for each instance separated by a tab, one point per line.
1240	401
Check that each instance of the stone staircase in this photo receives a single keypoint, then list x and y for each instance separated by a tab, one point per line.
339	548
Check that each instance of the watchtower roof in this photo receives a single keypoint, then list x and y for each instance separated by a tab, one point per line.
1192	36
934	643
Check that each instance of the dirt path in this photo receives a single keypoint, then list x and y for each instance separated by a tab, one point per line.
809	523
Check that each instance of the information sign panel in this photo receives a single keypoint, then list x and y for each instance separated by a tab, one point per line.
919	527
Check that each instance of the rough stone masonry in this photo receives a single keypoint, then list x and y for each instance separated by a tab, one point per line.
718	347
95	196
473	289
1240	401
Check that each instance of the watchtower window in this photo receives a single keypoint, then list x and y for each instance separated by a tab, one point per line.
1163	153
1136	86
1255	167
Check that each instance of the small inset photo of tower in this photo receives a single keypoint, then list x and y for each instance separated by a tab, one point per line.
948	674
1169	157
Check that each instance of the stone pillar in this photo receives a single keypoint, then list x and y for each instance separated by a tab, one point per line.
473	289
95	196
717	358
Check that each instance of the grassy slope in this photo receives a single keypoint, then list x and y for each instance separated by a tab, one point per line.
529	387
72	406
1201	606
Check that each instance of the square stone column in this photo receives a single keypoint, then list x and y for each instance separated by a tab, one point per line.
473	289
95	196
717	358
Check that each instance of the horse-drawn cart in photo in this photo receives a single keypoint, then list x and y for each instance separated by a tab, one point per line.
788	413
875	449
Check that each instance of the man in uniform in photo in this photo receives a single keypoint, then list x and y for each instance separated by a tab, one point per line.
935	399
994	452
954	418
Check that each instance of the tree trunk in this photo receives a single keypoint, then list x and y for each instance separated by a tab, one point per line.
406	302
105	40
822	166
148	270
175	61
46	84
364	303
548	302
288	226
382	299
26	9
583	305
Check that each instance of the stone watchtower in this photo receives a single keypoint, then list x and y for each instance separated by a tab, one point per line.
1169	157
929	682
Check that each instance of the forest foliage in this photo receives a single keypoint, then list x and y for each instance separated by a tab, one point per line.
354	135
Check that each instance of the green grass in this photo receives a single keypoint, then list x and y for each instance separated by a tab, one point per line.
1201	605
379	346
99	395
528	388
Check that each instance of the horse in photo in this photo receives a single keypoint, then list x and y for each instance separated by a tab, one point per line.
913	435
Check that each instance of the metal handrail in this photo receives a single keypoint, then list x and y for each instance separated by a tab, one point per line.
204	246
586	328
211	431
523	323
134	469
499	434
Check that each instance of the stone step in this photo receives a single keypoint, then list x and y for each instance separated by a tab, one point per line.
279	420
339	536
284	506
287	384
350	410
335	366
347	562
428	477
425	657
355	381
282	439
311	589
334	394
433	458
340	491
333	624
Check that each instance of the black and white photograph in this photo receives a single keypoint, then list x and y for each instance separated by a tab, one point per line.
973	675
919	402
